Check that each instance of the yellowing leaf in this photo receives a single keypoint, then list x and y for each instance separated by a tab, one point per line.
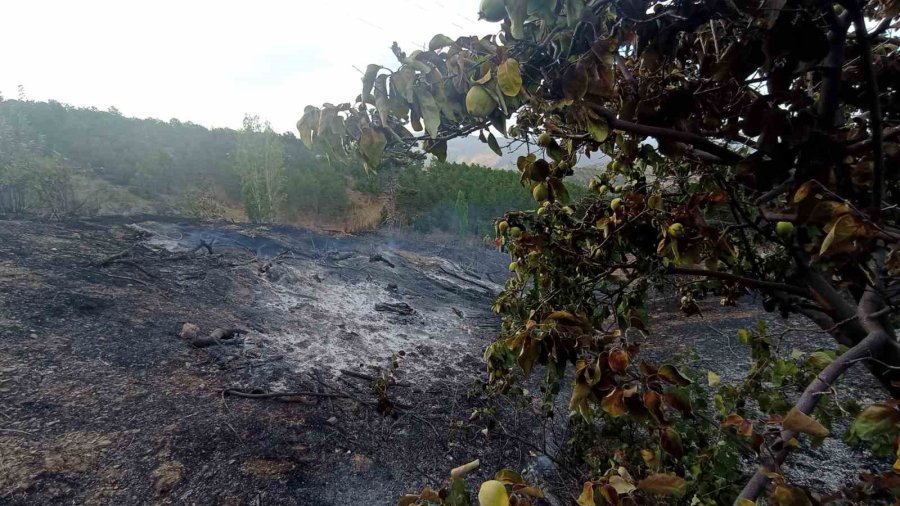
493	493
371	146
670	441
618	360
622	487
799	421
713	379
509	77
587	495
803	192
663	484
614	403
671	374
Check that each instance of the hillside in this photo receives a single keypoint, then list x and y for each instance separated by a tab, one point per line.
102	163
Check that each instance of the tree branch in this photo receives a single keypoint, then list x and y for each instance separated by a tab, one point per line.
865	46
697	141
741	280
870	346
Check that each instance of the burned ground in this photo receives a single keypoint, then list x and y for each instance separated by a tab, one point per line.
101	401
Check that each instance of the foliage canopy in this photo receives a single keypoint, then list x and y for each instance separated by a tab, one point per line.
754	147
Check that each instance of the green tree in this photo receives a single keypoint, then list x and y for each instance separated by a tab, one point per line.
462	211
259	159
754	148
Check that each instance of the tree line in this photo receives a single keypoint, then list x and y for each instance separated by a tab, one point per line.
46	147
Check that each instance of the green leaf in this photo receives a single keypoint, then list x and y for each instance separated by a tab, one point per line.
518	11
599	129
875	421
369	80
492	143
509	77
458	495
430	111
371	146
439	41
439	150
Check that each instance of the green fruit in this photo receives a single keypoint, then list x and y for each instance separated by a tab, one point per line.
603	189
492	11
513	266
541	192
676	230
568	210
542	211
479	102
784	229
615	203
515	232
618	189
544	139
593	184
493	492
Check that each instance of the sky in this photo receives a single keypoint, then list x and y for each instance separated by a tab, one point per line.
211	62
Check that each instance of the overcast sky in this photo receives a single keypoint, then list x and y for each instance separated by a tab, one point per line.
211	62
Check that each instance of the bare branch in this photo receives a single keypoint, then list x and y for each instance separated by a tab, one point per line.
741	280
875	122
870	346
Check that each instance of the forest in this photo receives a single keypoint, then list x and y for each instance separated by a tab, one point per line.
60	160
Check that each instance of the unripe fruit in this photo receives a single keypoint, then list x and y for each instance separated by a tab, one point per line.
593	184
784	229
603	189
513	266
544	139
515	232
493	492
540	192
503	226
479	102
615	203
568	210
542	211
676	230
618	189
492	11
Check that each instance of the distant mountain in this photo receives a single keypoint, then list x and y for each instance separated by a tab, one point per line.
472	151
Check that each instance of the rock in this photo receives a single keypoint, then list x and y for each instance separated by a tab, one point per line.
331	421
189	331
167	476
